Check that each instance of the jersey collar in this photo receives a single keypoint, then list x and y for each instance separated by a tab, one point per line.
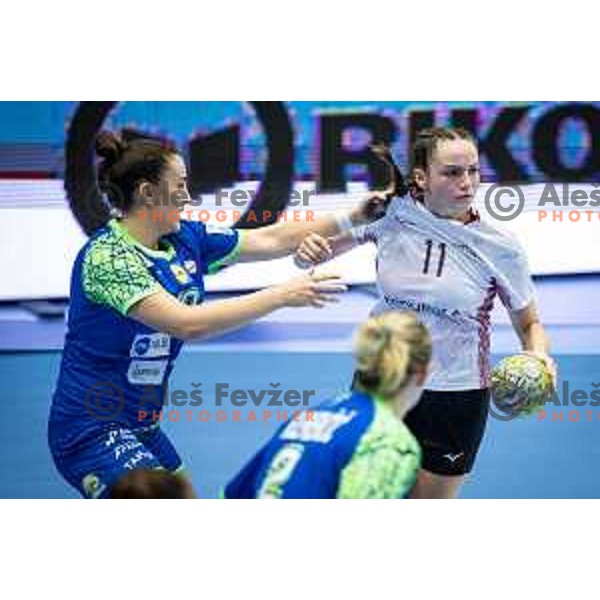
168	253
474	216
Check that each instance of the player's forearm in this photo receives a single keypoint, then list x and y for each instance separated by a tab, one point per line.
288	236
222	316
534	338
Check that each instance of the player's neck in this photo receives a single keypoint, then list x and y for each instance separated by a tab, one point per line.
464	217
403	401
141	230
397	402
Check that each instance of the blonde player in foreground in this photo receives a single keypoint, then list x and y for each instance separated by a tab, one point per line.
355	446
435	256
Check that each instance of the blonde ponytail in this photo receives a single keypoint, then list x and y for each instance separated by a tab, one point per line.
387	350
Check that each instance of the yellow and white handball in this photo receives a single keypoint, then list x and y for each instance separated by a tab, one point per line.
521	384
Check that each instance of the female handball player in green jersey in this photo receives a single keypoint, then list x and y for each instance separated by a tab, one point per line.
137	293
355	446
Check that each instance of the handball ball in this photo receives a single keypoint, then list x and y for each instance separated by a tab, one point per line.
521	384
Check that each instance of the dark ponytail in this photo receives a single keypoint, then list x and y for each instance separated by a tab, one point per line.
127	158
110	146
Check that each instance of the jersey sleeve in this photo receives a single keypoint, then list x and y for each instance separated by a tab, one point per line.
372	232
383	472
221	247
115	275
515	285
368	233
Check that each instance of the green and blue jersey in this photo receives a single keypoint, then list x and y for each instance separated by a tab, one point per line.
113	366
353	447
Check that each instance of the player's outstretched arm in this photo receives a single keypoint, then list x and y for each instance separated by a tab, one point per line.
282	239
316	249
163	312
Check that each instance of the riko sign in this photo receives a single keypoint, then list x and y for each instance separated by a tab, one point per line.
214	157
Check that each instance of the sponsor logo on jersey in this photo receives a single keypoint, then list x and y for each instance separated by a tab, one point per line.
138	457
190	266
423	307
92	486
180	273
150	345
147	372
190	296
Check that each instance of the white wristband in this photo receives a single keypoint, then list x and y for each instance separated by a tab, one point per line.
343	221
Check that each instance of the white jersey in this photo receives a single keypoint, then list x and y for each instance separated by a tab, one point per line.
449	274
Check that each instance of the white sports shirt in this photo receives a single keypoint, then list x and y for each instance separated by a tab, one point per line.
449	274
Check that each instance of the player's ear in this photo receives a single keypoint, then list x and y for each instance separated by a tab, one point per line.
420	375
419	177
145	192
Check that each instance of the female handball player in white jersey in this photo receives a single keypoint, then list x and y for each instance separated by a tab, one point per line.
435	256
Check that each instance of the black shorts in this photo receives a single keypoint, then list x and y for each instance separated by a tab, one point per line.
449	427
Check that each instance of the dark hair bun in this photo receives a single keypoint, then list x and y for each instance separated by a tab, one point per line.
110	146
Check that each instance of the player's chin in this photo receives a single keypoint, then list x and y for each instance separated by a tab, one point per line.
463	203
459	208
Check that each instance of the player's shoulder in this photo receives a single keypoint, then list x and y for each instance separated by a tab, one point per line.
387	431
500	238
348	400
338	420
399	209
388	223
192	231
189	234
104	243
108	248
488	226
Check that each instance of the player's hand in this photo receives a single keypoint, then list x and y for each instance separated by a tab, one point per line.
548	361
375	205
312	289
313	250
372	208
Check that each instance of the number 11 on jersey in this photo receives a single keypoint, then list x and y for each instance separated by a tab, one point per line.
429	257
